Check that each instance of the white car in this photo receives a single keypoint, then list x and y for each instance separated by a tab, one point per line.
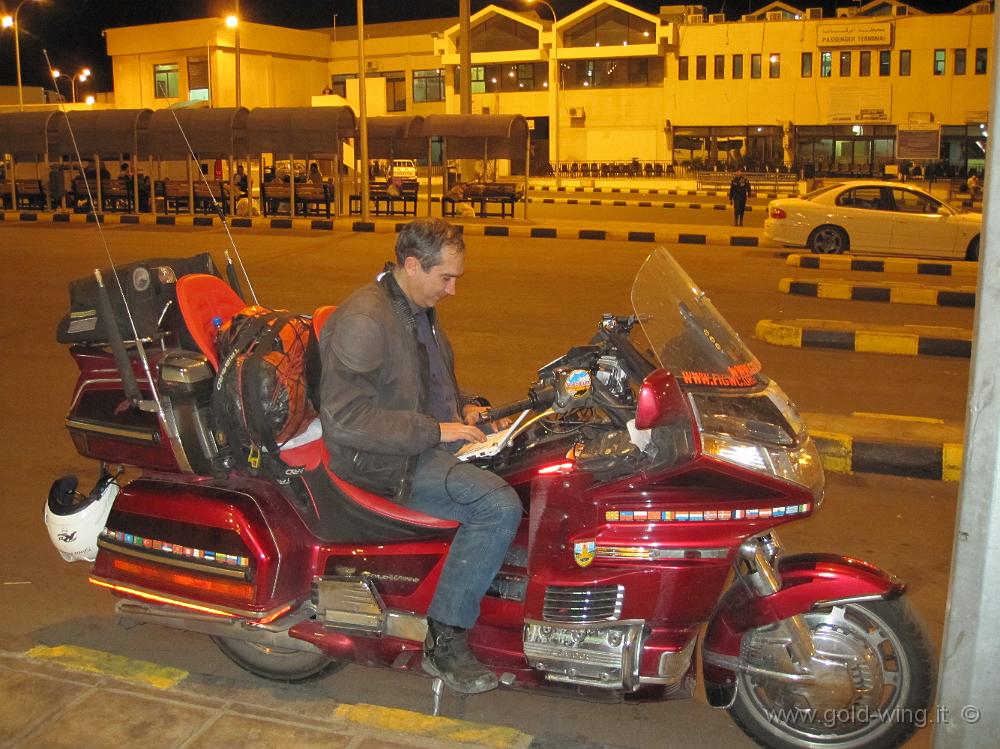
891	218
404	168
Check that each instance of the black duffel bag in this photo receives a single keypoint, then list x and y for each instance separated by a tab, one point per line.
149	288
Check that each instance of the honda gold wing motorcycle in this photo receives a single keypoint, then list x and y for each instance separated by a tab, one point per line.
655	463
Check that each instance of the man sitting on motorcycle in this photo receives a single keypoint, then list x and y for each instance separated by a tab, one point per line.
392	417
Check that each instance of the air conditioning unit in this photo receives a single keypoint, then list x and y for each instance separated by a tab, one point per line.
695	18
899	10
775	15
577	113
486	110
717	18
372	65
814	12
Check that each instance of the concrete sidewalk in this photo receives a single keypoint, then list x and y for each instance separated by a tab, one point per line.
76	698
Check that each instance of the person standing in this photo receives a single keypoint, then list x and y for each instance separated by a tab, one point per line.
739	191
393	416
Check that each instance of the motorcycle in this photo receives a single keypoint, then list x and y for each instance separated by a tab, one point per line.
655	463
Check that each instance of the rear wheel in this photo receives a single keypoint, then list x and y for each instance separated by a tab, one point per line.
872	674
972	252
829	240
277	664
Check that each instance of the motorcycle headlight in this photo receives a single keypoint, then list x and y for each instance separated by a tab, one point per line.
799	466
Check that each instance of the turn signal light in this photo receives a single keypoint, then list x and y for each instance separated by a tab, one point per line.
778	213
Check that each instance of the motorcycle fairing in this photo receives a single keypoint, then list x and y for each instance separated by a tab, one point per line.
808	581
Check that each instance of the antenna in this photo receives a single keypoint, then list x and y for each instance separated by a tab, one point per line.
219	208
114	270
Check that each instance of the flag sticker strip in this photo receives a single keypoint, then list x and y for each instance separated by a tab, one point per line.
165	547
700	516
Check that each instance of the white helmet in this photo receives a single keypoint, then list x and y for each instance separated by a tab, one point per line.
74	521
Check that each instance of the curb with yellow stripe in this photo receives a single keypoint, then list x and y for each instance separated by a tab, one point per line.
895	293
887	444
388	226
905	340
640	203
874	264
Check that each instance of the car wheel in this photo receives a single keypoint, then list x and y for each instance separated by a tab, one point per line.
972	253
827	240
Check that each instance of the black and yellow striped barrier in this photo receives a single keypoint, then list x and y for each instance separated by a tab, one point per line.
887	444
894	293
875	264
905	340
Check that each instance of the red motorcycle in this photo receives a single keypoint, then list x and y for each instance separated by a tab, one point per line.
654	462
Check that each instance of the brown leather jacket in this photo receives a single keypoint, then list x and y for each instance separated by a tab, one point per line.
374	388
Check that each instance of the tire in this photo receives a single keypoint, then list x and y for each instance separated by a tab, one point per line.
828	240
276	664
972	253
885	650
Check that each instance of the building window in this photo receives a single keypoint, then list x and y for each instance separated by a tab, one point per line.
610	27
720	67
904	62
865	63
755	66
165	81
699	67
428	85
939	62
500	34
682	68
197	78
737	67
884	63
395	91
981	59
845	64
825	64
339	83
774	65
959	66
477	79
807	64
635	72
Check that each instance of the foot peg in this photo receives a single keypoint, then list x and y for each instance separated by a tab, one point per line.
507	679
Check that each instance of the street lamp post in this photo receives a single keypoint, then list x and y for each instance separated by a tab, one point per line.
82	76
9	21
233	22
555	96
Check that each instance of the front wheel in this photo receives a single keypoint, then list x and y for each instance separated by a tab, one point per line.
277	664
875	657
827	240
972	251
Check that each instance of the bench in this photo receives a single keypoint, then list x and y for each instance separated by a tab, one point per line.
116	194
30	193
309	196
176	196
392	205
484	195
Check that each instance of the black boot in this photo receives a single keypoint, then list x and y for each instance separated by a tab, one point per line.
447	656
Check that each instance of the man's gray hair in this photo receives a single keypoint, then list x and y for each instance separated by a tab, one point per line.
424	239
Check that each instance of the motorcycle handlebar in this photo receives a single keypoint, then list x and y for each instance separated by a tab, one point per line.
537	399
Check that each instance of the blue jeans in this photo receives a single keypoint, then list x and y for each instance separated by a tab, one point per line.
489	511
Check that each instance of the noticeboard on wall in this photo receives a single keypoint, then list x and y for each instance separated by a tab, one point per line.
918	142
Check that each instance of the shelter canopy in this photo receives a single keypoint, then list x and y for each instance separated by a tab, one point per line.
212	133
106	132
467	135
29	135
299	130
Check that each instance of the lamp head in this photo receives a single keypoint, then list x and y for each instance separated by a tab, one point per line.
232	22
7	21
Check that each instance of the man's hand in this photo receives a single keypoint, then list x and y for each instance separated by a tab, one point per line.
472	412
453	431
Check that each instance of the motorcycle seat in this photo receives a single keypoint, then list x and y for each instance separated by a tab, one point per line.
203	299
312	457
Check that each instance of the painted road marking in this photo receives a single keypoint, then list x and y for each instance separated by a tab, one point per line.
107	664
443	729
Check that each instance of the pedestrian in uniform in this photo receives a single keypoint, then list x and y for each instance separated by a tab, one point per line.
739	191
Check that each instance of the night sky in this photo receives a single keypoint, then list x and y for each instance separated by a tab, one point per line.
71	29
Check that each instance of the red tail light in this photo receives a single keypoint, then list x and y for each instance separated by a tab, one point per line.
778	212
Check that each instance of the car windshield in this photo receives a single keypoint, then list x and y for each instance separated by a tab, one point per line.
820	190
687	335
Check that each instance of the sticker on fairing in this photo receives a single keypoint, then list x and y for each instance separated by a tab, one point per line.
583	552
578	382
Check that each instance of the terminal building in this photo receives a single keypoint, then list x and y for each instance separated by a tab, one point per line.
876	87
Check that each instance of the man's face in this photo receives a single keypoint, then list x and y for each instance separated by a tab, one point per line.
427	288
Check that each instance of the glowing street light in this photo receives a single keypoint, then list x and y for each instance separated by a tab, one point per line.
233	22
83	75
8	22
555	96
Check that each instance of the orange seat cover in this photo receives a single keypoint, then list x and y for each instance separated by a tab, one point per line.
320	316
202	298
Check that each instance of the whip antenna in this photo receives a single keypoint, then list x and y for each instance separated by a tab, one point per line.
107	251
219	208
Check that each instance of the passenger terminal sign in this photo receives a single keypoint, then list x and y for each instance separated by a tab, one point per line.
877	34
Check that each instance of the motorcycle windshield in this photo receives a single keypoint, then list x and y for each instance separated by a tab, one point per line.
687	335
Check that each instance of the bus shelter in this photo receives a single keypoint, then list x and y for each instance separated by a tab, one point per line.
29	137
302	132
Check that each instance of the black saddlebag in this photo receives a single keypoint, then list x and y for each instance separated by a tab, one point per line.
150	290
